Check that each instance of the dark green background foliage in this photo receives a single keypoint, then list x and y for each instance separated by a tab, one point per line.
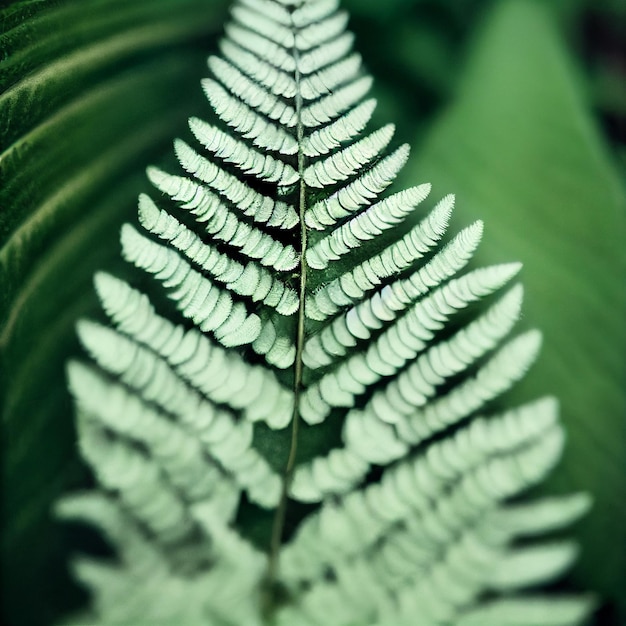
517	108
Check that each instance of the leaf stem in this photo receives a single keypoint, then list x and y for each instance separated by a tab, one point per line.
281	512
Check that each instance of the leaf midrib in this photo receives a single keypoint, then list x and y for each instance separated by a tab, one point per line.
278	526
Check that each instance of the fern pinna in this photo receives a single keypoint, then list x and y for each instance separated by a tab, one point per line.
291	436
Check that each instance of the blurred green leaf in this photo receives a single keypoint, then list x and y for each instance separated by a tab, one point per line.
90	92
519	148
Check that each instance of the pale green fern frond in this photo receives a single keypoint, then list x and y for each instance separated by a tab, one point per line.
291	436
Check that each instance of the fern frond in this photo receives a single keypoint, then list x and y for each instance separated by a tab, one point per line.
303	431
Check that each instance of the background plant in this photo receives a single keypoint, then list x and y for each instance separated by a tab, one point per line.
92	91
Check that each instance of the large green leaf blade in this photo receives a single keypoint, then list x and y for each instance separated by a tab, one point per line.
520	149
74	145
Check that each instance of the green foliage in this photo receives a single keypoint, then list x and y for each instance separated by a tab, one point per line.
132	84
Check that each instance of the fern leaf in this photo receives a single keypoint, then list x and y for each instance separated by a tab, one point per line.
305	429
